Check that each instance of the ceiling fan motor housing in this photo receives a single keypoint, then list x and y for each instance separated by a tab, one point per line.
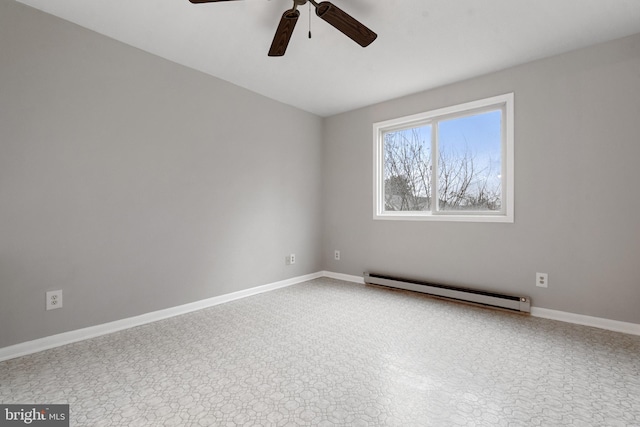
327	11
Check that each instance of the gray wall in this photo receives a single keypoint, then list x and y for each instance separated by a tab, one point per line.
135	184
577	202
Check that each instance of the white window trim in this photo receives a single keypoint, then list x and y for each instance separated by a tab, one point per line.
505	102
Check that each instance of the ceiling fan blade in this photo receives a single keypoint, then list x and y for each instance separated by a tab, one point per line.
345	23
284	32
208	1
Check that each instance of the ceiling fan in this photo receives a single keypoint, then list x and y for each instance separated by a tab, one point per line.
329	12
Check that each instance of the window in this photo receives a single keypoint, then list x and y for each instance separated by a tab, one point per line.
451	164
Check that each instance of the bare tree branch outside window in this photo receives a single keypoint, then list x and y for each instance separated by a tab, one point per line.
468	166
407	169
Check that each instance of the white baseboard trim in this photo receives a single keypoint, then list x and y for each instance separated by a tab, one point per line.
581	319
64	338
345	277
578	319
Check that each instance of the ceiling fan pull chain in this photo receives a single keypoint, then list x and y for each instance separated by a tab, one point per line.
309	20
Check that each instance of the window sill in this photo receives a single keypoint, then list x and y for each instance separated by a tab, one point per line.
397	216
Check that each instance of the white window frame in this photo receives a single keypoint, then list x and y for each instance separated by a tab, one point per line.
503	102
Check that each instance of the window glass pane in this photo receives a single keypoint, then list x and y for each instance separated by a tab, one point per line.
469	163
407	169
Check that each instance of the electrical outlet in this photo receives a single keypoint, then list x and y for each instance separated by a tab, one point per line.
290	259
54	299
542	280
336	255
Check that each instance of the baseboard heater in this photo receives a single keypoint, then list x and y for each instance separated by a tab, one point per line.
507	302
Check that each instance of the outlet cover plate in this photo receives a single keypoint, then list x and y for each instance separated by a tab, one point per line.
542	280
54	299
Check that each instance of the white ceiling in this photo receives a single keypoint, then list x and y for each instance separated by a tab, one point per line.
421	43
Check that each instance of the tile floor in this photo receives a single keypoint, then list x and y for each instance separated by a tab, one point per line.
331	353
